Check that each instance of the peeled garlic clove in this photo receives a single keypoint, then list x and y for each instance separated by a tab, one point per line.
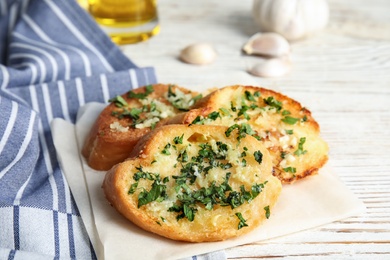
275	67
267	44
199	54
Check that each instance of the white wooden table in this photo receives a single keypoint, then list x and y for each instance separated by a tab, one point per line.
342	75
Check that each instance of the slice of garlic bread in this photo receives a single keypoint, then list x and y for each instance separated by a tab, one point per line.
287	129
195	183
129	117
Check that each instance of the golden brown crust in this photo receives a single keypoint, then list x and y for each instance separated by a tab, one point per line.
108	143
273	119
218	223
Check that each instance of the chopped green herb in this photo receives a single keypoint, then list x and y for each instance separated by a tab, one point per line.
300	150
243	163
289	132
156	193
148	89
134	113
195	99
249	96
166	179
272	102
257	94
170	92
267	212
189	212
198	120
140	174
290	120
257	189
258	156
224	111
133	187
243	130
119	101
166	149
286	112
214	115
232	107
178	140
290	169
304	119
183	156
242	112
242	222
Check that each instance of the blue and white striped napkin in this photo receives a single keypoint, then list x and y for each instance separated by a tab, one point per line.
53	59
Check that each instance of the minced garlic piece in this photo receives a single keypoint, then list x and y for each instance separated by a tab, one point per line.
117	127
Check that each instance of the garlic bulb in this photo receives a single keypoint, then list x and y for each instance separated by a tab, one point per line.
294	19
198	53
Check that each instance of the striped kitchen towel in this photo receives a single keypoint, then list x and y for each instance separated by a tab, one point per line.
53	59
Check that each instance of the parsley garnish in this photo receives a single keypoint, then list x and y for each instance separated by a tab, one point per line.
225	112
258	156
286	112
242	222
133	187
300	150
156	193
272	102
198	120
290	120
214	115
290	169
249	96
178	140
166	149
243	130
267	212
119	101
148	89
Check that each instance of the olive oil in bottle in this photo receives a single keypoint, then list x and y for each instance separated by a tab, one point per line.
126	21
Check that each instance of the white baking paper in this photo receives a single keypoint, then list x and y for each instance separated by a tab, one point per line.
306	204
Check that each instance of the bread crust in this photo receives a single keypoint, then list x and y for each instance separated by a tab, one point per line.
219	223
269	122
108	143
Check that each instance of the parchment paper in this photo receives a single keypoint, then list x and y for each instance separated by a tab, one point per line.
309	203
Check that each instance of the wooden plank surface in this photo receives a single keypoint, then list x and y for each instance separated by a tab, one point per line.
341	74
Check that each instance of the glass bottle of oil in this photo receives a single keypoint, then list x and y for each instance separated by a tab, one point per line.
126	21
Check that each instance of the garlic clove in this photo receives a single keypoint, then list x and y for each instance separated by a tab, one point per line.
267	44
274	67
198	53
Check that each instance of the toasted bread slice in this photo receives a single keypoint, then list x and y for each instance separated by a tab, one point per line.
129	117
194	183
287	129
